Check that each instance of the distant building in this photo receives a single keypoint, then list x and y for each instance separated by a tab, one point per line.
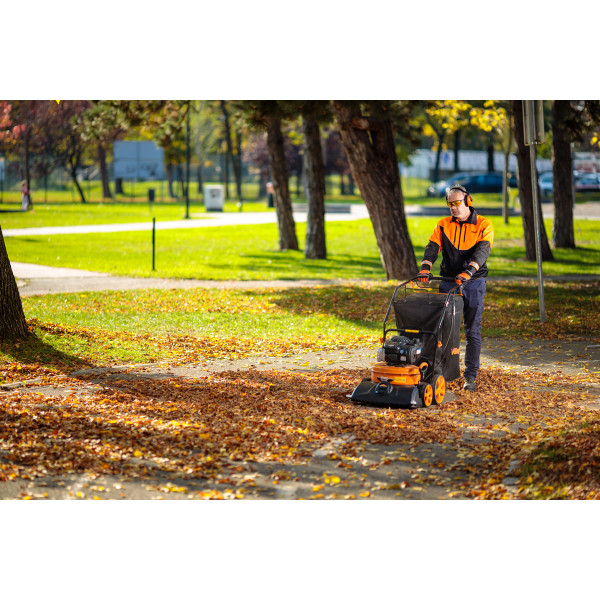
423	163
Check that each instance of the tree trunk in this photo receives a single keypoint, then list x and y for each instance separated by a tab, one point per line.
563	234
169	174
181	180
315	189
525	191
283	204
73	174
505	187
438	156
262	184
199	176
351	184
456	150
238	161
225	172
237	171
26	159
106	193
372	157
490	154
299	177
12	319
73	168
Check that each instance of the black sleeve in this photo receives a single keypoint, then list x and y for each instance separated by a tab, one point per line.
430	255
479	256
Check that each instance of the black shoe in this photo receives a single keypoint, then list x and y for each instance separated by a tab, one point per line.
469	384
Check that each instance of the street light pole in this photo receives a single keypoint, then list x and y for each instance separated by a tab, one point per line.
533	122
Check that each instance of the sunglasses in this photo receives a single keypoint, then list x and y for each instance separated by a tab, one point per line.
455	203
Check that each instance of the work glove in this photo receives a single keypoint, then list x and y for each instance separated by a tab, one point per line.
462	278
424	276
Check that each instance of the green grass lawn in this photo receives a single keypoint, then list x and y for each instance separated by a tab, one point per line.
251	252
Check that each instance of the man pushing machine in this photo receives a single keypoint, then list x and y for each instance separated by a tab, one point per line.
465	240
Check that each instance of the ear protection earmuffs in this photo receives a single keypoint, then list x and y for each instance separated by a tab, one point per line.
468	200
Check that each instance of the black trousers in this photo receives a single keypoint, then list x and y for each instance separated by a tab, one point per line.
473	296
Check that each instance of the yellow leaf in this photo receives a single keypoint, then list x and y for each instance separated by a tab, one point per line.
365	494
137	453
316	488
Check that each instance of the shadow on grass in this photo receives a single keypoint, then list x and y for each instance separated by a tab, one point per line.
33	351
360	304
580	256
335	266
571	308
511	308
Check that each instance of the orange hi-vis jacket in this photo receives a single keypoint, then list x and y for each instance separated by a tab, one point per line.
465	246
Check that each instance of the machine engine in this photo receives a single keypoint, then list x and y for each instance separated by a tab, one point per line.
401	350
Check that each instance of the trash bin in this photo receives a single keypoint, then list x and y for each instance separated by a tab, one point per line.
214	197
151	194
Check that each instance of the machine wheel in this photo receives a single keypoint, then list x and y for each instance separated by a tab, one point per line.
439	389
426	394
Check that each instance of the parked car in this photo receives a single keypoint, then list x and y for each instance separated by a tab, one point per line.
587	182
474	183
435	190
545	183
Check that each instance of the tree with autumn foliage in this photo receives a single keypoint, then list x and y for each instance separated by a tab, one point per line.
71	146
51	129
101	124
163	121
444	117
205	128
495	119
23	119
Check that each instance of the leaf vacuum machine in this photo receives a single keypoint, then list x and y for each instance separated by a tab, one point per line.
421	353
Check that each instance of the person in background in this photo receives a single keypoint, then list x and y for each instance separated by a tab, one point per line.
25	197
465	240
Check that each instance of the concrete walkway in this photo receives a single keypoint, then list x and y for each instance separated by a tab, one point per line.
34	280
356	211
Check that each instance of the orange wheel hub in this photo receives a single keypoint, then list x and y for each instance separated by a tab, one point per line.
427	395
439	389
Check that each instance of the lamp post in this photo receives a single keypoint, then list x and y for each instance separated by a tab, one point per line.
533	123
